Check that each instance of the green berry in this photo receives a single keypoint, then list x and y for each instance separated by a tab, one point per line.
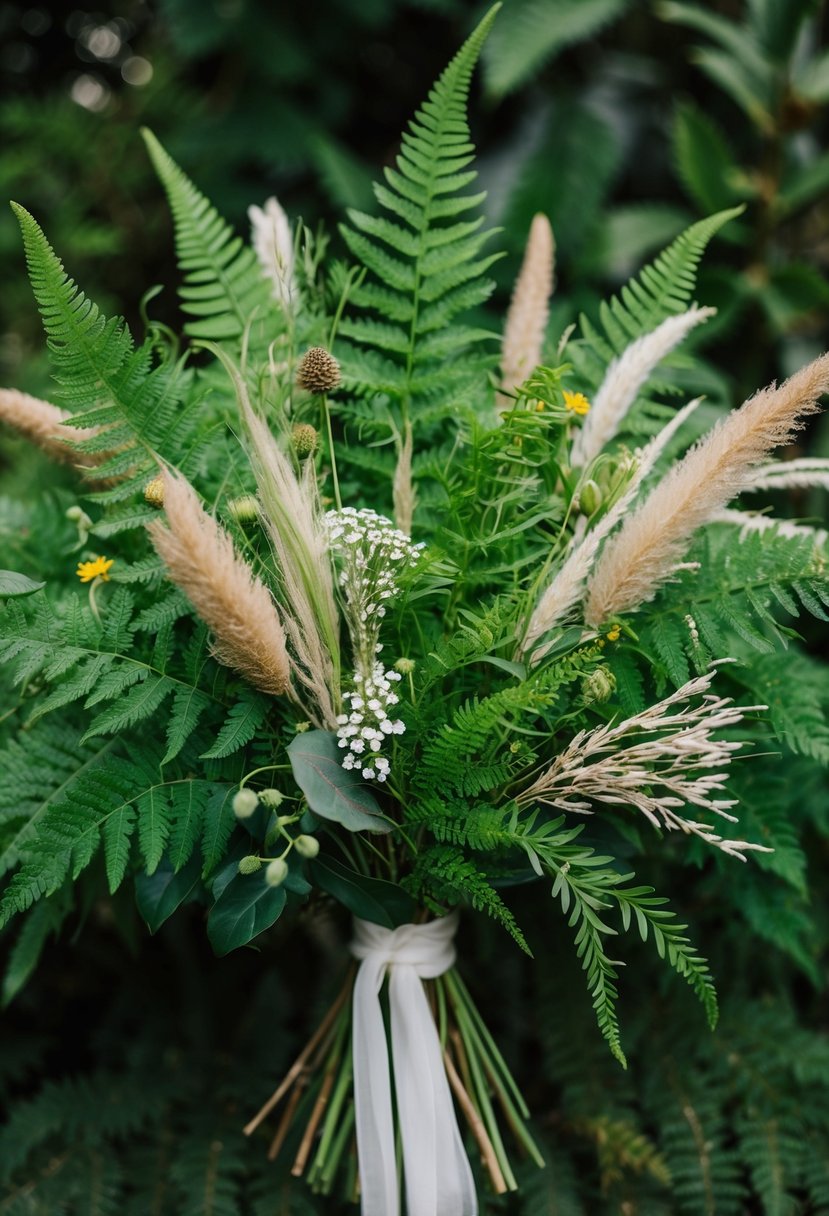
245	803
276	872
307	846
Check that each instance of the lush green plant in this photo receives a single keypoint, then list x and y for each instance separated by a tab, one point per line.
137	754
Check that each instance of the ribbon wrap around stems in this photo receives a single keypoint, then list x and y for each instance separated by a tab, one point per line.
436	1168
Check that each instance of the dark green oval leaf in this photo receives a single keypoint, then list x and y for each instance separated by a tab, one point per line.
246	907
383	903
159	894
332	791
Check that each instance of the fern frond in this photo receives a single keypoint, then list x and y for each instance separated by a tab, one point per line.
663	289
105	380
425	264
443	874
223	285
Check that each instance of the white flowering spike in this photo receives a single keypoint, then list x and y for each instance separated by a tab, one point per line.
372	554
273	245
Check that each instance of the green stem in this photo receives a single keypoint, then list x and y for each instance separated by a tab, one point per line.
326	413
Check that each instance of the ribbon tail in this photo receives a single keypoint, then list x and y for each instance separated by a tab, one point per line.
372	1096
438	1175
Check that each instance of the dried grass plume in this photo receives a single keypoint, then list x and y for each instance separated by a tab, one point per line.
624	379
44	424
247	632
647	548
528	310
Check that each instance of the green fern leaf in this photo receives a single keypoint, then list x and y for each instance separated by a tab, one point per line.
223	285
426	269
243	720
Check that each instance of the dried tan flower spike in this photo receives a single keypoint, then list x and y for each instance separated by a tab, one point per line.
646	549
199	555
318	371
528	310
44	424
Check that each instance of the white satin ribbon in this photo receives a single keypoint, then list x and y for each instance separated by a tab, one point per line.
436	1167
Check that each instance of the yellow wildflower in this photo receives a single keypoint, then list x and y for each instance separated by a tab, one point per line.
614	633
577	402
99	568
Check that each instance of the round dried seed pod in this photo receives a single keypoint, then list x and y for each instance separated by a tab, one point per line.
318	371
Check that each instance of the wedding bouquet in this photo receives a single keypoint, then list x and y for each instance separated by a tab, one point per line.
383	608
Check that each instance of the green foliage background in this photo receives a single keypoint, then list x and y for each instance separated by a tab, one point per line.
129	1063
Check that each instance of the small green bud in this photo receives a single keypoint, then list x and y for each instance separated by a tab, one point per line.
590	498
486	635
271	799
276	872
244	509
304	439
301	727
405	666
75	512
599	685
307	846
250	864
245	803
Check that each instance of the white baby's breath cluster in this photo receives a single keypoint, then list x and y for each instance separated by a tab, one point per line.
364	730
372	555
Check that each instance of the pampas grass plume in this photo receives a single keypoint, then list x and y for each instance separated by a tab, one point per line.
44	424
646	549
528	310
247	632
625	377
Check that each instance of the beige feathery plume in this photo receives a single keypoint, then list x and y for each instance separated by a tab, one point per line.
200	557
291	514
800	474
625	377
567	586
45	425
646	549
528	310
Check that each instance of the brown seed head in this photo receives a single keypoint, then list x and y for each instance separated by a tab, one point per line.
318	371
304	438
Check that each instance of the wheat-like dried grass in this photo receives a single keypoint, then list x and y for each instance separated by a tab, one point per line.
247	632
